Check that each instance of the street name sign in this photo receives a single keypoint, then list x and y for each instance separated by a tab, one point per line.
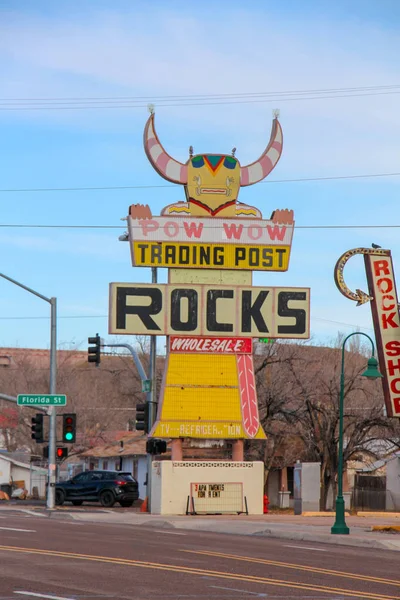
41	400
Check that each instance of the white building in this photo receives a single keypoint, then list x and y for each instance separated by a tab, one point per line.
12	470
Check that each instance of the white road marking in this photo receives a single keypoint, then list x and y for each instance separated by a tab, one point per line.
306	548
43	596
170	532
217	587
15	529
32	512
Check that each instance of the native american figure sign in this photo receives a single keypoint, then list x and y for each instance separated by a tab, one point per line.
209	310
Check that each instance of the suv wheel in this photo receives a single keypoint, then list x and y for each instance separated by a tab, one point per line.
107	499
60	497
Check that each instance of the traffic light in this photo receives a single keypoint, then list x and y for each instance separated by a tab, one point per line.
94	352
61	453
69	428
156	446
37	428
142	417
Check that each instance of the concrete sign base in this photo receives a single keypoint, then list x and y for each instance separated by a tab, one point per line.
207	487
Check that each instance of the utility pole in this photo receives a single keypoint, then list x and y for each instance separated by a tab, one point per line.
53	382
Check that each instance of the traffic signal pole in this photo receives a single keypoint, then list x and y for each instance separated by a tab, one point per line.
52	465
53	378
151	397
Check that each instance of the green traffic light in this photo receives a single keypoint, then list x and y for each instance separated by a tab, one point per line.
69	436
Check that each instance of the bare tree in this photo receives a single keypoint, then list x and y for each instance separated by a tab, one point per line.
299	402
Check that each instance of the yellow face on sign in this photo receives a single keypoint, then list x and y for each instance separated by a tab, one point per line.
213	182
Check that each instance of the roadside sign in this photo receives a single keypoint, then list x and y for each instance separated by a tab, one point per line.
146	385
41	400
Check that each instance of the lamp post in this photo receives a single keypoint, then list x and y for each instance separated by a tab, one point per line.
53	378
371	372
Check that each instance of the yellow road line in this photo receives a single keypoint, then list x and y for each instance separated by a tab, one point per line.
200	572
298	567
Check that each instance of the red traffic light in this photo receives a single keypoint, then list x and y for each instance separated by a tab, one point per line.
61	452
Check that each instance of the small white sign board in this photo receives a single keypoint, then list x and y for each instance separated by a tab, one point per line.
217	497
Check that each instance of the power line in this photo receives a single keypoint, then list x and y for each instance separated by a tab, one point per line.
141	187
204	103
19	318
122	227
46	318
195	96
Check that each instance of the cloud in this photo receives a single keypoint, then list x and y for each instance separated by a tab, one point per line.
161	53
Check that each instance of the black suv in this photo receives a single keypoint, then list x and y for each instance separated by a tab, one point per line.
106	487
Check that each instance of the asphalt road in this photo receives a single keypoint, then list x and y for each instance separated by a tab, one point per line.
62	559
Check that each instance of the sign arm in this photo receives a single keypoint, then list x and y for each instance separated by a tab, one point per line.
15	401
358	296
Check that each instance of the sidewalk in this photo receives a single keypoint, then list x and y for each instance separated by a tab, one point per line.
290	527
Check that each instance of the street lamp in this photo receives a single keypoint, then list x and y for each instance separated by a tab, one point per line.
372	372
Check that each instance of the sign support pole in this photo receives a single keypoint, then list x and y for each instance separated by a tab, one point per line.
151	397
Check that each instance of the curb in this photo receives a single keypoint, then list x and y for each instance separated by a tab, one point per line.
394	528
322	514
386	515
326	539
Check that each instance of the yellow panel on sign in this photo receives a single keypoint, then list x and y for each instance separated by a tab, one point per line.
210	256
202	369
201	398
198	404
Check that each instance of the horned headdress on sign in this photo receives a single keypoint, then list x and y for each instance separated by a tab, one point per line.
212	181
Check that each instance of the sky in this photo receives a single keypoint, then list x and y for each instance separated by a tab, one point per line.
75	82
